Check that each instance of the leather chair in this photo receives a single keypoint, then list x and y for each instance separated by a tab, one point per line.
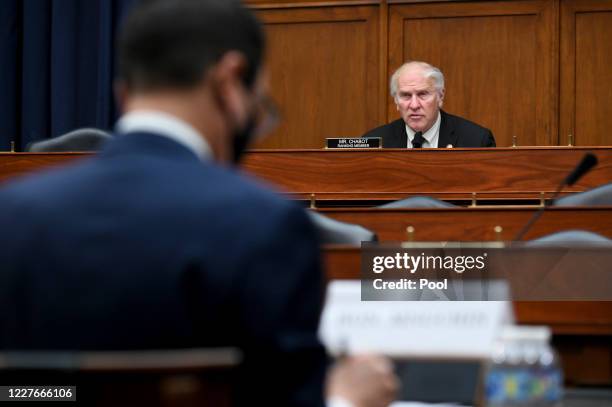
332	231
86	139
600	196
418	202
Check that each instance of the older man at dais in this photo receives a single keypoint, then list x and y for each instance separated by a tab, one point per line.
418	91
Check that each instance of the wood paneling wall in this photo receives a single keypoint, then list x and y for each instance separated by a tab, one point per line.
497	58
534	69
586	71
323	65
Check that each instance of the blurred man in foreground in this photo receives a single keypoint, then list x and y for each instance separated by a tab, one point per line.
158	242
418	91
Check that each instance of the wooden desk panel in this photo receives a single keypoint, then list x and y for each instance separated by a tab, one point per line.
370	175
473	224
396	173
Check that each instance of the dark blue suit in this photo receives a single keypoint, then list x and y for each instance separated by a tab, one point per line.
454	131
145	246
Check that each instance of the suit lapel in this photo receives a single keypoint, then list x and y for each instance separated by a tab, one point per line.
400	138
447	131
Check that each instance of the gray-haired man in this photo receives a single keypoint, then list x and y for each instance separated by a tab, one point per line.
418	91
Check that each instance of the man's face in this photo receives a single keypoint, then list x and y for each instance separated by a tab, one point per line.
266	116
417	99
260	115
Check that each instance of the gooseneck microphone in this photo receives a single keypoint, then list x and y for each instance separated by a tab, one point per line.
586	164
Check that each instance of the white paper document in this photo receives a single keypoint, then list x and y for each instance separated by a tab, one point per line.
438	329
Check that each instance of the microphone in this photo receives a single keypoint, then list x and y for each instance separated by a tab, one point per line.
586	164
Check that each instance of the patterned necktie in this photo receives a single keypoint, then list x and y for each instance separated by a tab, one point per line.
418	140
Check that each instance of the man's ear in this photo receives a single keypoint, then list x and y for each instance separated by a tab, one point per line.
227	76
441	98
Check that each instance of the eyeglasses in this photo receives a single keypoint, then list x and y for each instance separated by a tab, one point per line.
268	117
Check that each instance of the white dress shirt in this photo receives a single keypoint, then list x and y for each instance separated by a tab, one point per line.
431	136
166	125
338	402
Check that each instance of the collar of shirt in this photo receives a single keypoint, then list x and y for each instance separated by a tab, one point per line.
431	136
166	125
335	401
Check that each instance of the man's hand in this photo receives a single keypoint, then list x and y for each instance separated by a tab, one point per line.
363	380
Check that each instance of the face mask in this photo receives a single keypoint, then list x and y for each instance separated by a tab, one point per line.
242	138
257	124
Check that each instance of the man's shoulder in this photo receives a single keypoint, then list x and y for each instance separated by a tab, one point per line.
256	196
191	187
31	187
467	133
226	194
251	217
462	124
385	130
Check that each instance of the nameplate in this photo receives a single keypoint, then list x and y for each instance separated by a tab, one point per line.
358	142
452	329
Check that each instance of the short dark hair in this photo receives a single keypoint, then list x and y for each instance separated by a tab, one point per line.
171	43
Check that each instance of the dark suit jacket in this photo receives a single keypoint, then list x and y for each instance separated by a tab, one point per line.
145	246
453	130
